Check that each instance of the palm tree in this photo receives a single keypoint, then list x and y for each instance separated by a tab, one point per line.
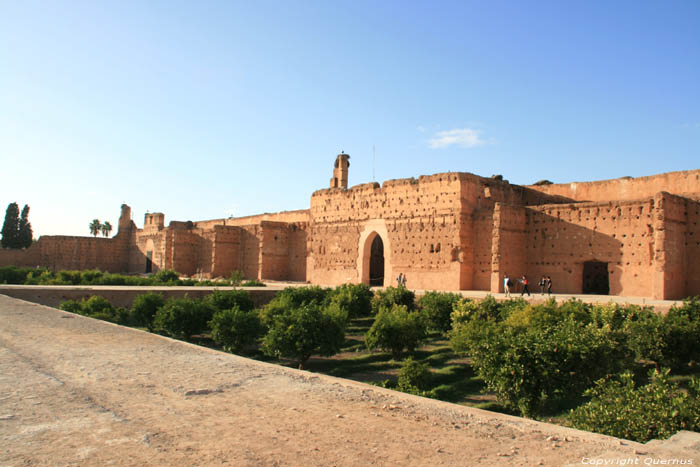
95	227
106	228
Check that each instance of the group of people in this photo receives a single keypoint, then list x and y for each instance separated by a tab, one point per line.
401	280
545	283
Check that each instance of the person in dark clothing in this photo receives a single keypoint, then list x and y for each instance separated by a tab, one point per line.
549	285
525	289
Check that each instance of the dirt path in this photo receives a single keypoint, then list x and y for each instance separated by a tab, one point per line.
79	391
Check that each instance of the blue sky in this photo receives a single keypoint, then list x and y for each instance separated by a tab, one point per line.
204	110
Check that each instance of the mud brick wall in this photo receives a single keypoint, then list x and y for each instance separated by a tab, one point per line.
679	183
508	245
226	251
298	251
30	257
419	218
670	227
300	215
483	229
561	238
275	250
251	239
692	252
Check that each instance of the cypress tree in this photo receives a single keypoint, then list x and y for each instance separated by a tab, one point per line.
25	234
10	228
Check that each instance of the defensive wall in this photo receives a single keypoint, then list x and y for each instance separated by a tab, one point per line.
449	231
683	183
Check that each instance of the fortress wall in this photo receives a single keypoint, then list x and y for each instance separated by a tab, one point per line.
679	183
421	218
226	254
482	222
560	238
154	241
507	249
670	222
692	252
251	238
275	251
301	215
298	240
193	251
29	257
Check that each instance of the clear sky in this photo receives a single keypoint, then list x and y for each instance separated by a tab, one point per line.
203	110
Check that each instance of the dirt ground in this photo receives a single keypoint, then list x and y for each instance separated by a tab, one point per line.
77	391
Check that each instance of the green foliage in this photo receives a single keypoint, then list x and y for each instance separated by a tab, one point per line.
438	307
16	230
304	330
166	276
144	309
253	283
395	329
24	230
15	275
654	411
413	376
236	278
292	297
226	299
95	227
539	354
355	299
393	296
235	328
97	307
182	318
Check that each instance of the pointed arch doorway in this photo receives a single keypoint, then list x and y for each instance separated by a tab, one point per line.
374	254
376	262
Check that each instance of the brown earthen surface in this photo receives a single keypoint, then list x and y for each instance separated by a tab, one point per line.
76	391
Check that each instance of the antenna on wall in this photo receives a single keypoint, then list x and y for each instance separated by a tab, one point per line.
374	160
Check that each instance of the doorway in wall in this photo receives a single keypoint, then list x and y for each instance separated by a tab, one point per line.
596	280
149	261
376	262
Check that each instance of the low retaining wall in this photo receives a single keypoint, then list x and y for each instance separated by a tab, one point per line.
120	296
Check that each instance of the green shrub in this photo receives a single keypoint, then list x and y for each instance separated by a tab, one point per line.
355	299
72	306
97	305
413	376
305	330
530	366
395	329
236	278
292	297
14	275
235	328
393	296
654	411
253	283
166	276
438	307
91	276
144	309
182	318
226	299
68	277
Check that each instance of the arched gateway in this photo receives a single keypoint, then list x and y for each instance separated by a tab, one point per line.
373	263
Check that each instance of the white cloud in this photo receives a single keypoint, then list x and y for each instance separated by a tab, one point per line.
462	137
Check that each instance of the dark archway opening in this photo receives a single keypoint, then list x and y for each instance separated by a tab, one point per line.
596	280
149	262
376	262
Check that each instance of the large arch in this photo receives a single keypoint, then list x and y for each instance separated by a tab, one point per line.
372	229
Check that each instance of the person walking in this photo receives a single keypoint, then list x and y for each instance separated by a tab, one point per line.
542	283
506	284
399	280
525	289
403	281
549	286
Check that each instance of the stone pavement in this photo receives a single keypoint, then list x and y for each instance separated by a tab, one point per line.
77	391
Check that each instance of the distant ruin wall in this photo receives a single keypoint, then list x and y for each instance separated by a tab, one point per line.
66	252
508	251
301	215
670	222
692	252
561	238
679	183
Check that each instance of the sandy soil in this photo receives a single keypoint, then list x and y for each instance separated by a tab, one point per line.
79	391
